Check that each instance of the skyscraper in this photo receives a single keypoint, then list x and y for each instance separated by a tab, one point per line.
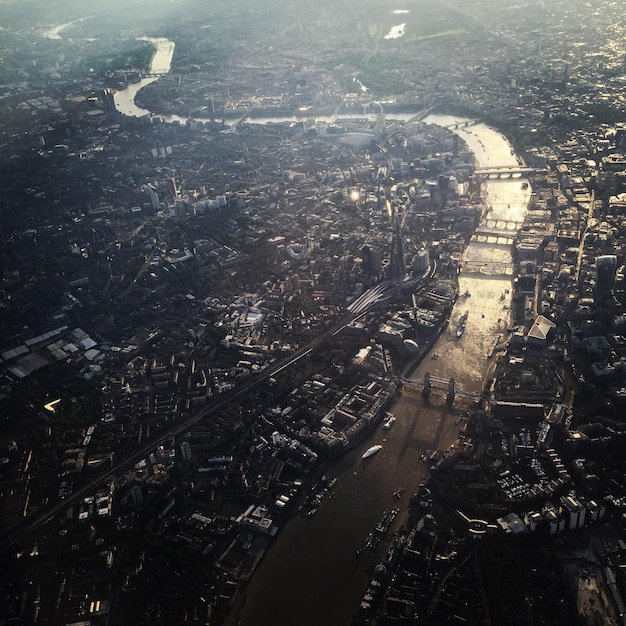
154	199
372	261
397	265
185	451
620	137
606	267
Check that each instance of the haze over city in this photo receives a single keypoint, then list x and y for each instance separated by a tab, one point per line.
312	313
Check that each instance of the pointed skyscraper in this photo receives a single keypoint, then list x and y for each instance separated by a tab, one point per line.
397	265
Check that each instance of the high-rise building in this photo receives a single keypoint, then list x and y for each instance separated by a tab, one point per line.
178	209
421	261
397	264
185	451
154	199
365	255
293	282
620	137
606	268
175	187
376	261
455	145
372	260
379	126
136	496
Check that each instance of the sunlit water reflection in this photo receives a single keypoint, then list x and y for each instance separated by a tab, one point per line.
311	575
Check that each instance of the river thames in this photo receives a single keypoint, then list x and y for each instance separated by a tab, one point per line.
311	575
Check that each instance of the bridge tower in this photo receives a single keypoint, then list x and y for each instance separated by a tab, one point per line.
427	386
451	390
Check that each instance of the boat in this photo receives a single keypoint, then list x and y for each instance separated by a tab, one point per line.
462	323
380	530
389	422
386	520
371	451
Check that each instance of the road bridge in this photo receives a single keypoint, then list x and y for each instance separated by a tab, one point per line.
240	120
489	269
501	229
418	117
428	382
500	233
465	124
509	225
503	171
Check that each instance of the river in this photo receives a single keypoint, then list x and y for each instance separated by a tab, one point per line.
489	316
160	64
311	575
55	31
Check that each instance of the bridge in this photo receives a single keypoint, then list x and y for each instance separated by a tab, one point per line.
241	120
418	117
465	124
499	224
489	269
498	233
501	229
501	171
428	382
